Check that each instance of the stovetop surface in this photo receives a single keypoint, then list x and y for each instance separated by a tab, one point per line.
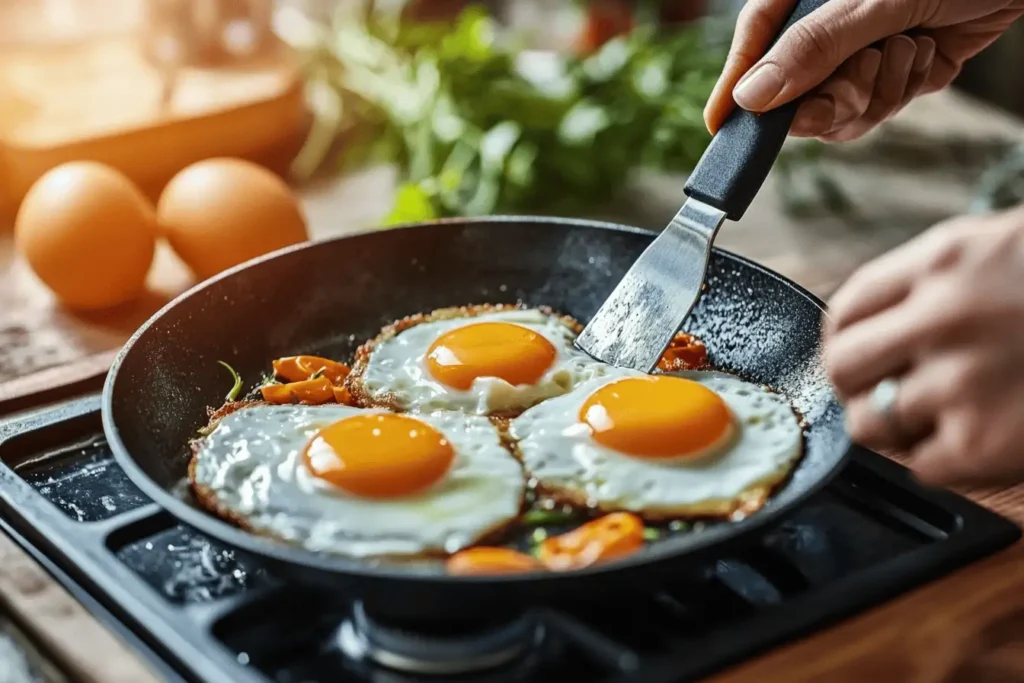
203	612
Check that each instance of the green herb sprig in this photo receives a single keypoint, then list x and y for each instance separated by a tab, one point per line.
478	126
541	517
236	388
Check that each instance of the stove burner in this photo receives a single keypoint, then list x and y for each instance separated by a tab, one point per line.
456	651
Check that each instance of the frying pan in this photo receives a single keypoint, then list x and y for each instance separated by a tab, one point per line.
324	298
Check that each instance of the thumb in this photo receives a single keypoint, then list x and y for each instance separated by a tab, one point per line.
756	27
810	50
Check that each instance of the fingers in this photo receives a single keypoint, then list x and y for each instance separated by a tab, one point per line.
935	463
959	452
890	342
816	116
957	411
905	66
873	430
921	68
813	48
756	27
942	73
889	89
881	346
849	91
887	280
963	452
922	394
943	396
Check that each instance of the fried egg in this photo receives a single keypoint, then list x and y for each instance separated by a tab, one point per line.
664	446
360	483
486	363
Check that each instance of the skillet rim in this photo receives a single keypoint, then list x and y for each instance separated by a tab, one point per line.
278	552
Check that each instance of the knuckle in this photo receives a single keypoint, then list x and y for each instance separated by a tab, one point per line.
884	102
861	424
962	435
944	309
756	17
742	57
919	12
876	112
962	375
811	42
947	246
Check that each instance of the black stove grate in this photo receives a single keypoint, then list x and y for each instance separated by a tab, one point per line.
205	613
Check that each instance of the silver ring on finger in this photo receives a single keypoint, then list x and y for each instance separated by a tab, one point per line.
883	400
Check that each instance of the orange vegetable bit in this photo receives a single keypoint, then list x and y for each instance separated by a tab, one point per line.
684	352
343	396
609	537
288	369
310	391
299	368
484	561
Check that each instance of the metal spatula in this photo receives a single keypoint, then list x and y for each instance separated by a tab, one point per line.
636	323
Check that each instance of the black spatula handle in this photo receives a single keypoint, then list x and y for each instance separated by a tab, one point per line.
740	155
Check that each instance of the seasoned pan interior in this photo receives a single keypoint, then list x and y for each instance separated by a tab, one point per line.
326	298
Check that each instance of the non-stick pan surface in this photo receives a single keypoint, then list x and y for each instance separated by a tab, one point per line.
325	298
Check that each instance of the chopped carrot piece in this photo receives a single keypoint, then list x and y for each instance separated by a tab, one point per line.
342	396
299	368
684	352
609	537
332	370
484	560
288	369
310	391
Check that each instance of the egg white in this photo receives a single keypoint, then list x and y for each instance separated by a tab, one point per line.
561	454
250	469
396	371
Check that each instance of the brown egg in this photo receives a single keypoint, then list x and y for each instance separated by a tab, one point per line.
89	234
220	212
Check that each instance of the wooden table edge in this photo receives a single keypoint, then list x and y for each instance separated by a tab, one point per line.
55	383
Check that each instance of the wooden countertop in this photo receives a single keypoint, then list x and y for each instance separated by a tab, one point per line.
965	628
968	626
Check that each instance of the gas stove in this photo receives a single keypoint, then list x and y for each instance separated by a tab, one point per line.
202	612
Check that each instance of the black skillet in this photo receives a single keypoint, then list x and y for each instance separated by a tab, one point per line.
324	298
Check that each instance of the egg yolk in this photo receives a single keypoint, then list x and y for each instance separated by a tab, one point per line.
657	417
510	352
379	456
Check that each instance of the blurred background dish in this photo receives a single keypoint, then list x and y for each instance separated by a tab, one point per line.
146	87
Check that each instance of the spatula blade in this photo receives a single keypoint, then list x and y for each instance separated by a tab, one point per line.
636	323
638	320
